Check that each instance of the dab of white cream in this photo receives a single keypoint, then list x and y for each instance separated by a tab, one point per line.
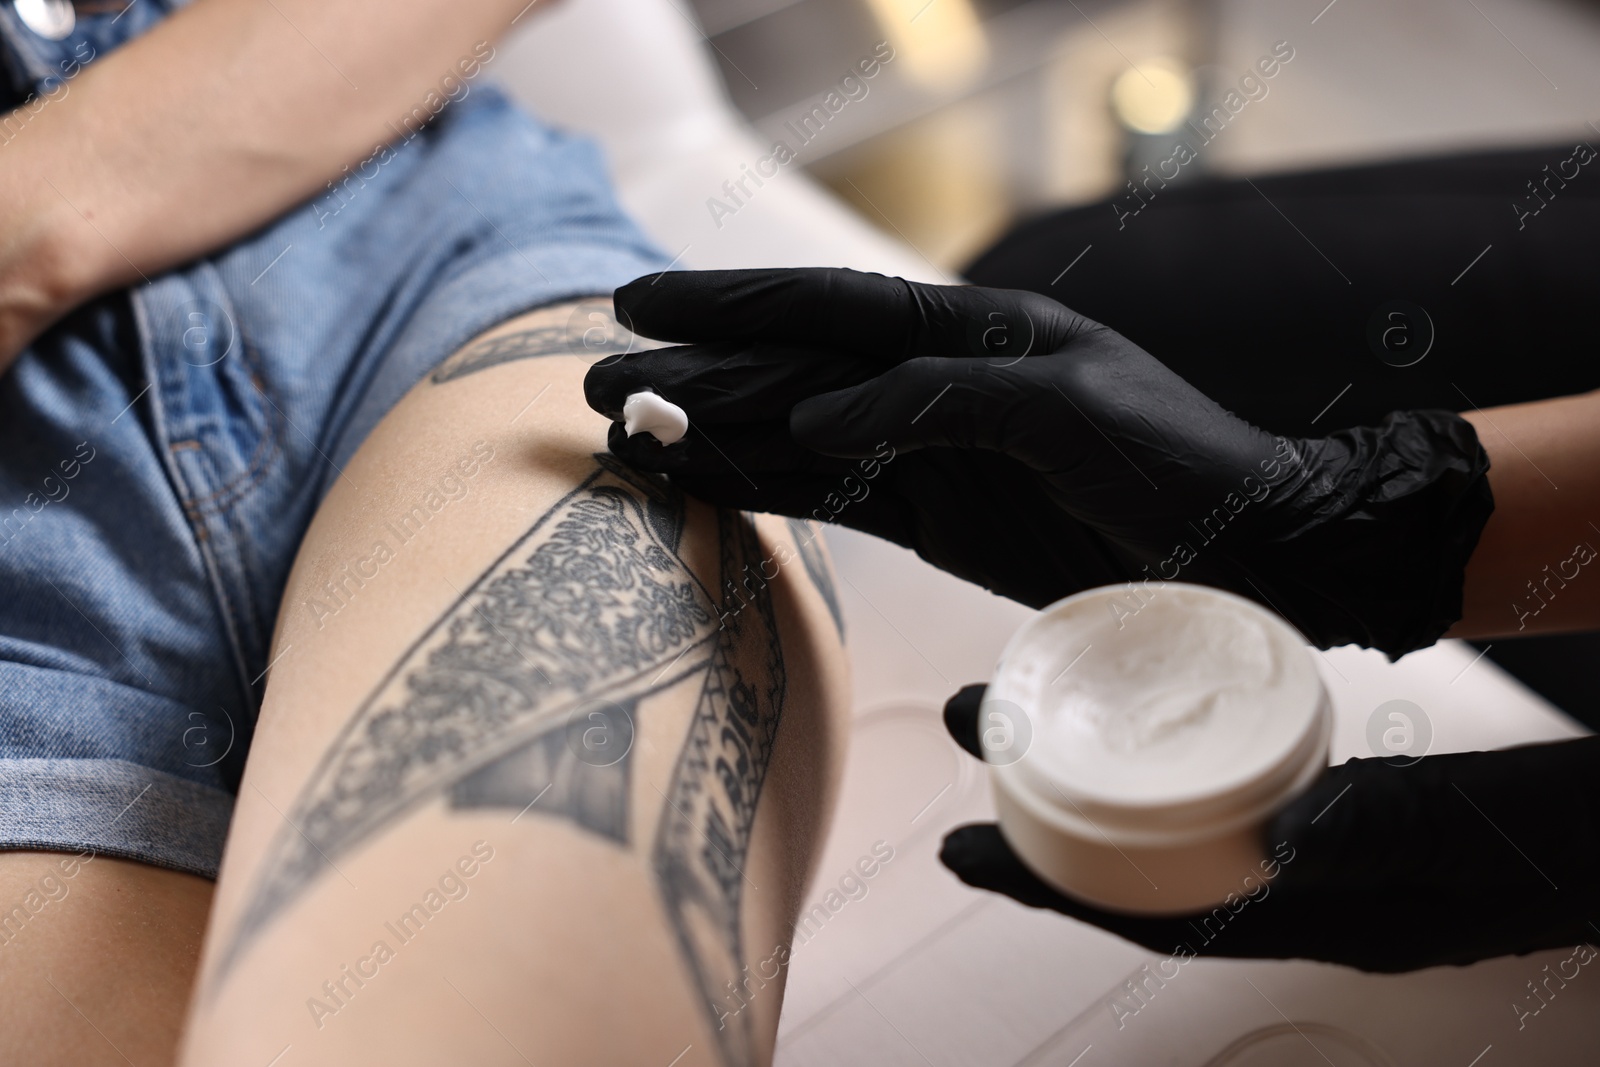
652	414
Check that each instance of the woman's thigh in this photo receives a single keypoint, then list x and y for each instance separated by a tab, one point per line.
97	956
544	756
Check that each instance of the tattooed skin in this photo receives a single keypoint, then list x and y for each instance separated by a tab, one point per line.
556	644
586	329
805	538
571	772
592	608
705	829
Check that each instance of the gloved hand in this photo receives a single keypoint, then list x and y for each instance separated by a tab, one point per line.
1019	445
1384	867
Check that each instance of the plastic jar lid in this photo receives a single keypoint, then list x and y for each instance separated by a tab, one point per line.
1154	717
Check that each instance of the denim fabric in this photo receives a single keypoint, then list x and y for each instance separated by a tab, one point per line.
163	449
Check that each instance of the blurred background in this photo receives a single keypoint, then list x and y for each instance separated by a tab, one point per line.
993	110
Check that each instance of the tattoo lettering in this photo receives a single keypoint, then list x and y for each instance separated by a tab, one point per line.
703	842
592	608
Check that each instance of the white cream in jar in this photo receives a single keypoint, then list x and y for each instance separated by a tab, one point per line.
1138	744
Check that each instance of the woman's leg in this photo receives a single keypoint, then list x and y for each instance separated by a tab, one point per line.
545	753
97	957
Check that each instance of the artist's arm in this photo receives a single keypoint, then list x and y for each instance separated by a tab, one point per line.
1040	453
217	120
1535	568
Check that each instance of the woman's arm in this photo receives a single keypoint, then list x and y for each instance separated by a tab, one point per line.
207	127
1536	568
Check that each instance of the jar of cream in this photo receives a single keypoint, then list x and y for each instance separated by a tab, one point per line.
1140	740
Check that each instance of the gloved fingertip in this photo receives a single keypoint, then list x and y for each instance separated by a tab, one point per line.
649	298
608	383
961	717
626	318
979	855
627	300
967	849
629	294
643	451
617	442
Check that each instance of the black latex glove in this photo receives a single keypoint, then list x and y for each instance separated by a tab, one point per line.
1014	443
1381	866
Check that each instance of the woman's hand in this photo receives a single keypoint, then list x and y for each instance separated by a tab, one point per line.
1039	453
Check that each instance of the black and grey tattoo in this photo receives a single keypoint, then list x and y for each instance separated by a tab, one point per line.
569	772
493	351
805	540
588	329
589	613
703	843
591	609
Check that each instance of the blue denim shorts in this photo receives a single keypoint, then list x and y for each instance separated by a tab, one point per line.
163	449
